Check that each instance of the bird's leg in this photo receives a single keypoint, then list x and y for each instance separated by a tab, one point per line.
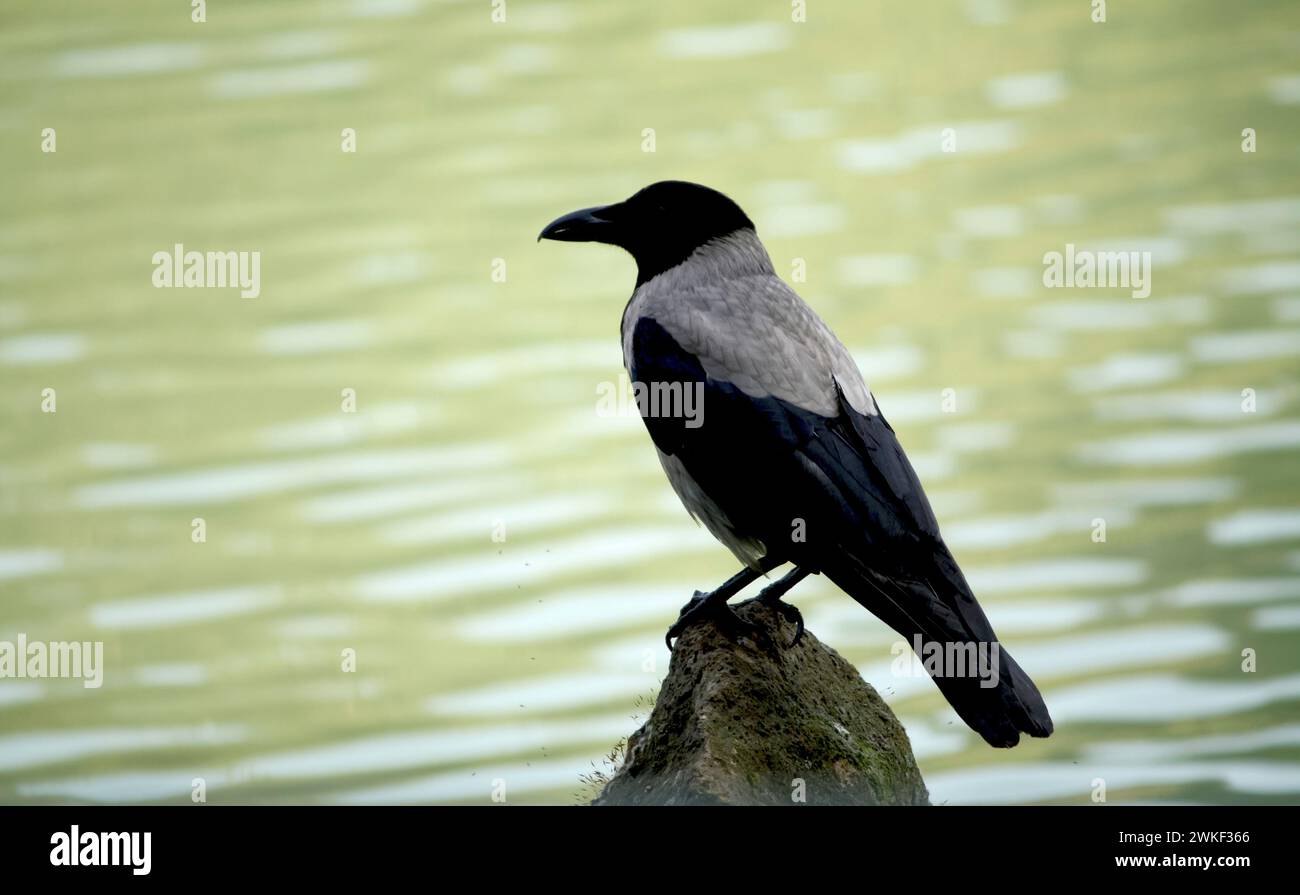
772	594
713	605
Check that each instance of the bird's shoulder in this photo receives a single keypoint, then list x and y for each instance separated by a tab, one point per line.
754	332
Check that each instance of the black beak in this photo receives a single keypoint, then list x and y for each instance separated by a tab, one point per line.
587	225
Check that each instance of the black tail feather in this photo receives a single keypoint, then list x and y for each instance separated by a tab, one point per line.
946	614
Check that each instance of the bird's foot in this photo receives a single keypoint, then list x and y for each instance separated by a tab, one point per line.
708	606
771	597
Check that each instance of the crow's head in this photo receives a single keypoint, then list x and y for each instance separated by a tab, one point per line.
660	226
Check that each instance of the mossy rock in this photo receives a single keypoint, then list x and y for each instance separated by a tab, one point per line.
750	721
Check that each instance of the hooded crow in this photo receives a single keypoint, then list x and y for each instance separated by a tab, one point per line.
792	460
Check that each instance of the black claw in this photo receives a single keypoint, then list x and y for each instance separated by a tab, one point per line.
792	612
789	611
695	600
700	608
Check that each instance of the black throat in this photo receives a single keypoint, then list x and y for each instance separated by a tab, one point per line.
655	257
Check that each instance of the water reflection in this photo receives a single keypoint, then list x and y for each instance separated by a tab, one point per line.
168	610
27	750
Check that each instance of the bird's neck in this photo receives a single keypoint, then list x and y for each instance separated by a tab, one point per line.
738	254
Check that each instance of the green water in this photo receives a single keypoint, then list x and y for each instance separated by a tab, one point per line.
522	660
